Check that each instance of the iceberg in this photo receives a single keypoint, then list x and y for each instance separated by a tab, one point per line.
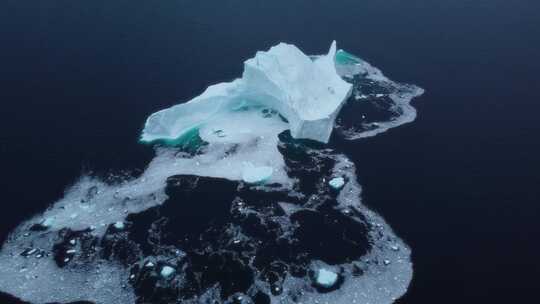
306	92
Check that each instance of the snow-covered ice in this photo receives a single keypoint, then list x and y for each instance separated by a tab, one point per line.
326	278
167	271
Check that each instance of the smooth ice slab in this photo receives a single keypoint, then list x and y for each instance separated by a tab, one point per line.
255	175
307	92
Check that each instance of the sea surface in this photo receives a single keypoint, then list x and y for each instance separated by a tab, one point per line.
460	185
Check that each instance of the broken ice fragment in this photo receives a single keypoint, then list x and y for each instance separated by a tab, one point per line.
337	183
149	265
326	278
167	271
119	225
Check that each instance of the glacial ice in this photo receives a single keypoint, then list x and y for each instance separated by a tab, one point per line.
307	93
337	182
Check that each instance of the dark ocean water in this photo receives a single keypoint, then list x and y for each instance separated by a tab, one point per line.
460	185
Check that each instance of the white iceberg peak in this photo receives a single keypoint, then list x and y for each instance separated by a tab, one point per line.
308	93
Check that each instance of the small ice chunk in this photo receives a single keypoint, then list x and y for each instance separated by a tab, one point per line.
149	265
119	225
256	175
337	182
326	278
167	271
358	97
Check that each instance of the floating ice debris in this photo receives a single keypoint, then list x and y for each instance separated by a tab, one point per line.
347	211
337	183
256	175
72	241
71	251
29	252
149	265
119	225
326	278
167	271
